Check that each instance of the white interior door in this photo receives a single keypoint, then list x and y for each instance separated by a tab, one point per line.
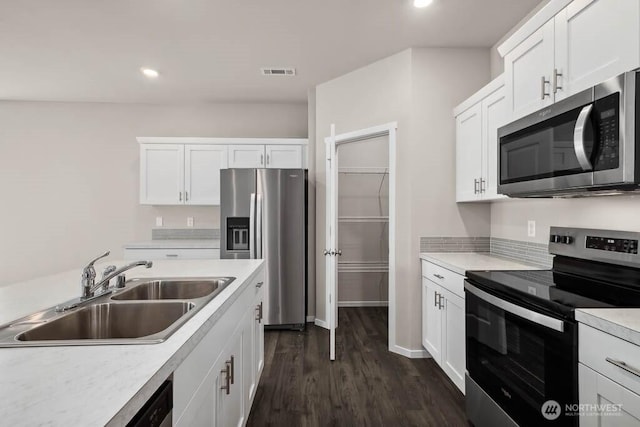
332	239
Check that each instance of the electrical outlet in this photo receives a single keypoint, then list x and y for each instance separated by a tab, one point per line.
189	221
531	228
158	221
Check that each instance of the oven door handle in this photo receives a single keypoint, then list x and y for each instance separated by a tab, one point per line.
578	138
537	318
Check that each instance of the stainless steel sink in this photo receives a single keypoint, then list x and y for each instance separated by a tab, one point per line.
110	321
171	289
145	311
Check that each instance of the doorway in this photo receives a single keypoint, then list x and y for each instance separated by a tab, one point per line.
360	203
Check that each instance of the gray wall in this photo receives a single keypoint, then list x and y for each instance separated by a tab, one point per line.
70	174
418	88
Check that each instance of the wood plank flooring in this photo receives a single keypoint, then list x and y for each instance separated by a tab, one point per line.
366	386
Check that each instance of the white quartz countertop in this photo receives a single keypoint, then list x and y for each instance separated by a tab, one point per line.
175	244
624	323
460	262
106	384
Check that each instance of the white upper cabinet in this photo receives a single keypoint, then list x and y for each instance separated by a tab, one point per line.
202	173
576	47
178	174
284	156
246	156
161	174
595	40
527	70
468	153
477	123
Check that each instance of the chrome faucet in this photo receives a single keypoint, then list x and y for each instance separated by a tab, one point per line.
89	286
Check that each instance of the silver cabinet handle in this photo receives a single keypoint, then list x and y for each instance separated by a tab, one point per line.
440	303
171	255
180	196
233	369
262	159
259	284
438	276
622	365
267	159
543	83
435	299
259	312
186	196
482	185
475	186
532	316
227	380
578	138
556	74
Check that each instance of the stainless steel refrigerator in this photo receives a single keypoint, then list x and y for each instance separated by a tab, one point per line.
263	214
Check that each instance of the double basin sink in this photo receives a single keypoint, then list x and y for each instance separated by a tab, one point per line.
145	311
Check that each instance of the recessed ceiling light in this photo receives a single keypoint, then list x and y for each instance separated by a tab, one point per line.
152	74
422	3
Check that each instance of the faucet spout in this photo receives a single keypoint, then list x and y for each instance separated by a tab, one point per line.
88	291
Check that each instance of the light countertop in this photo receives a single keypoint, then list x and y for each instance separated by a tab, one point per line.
624	323
175	244
460	262
106	384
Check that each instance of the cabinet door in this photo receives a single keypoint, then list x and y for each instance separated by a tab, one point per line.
258	335
468	154
431	320
596	389
595	40
246	156
525	68
494	113
202	173
453	339
161	174
284	156
204	407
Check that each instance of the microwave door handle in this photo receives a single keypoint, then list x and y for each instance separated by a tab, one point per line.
578	138
252	226
538	318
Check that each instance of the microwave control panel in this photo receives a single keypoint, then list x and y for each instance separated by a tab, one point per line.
606	116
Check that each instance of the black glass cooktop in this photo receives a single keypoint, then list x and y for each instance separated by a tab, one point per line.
571	284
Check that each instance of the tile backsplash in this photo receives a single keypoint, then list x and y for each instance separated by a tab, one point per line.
528	252
185	233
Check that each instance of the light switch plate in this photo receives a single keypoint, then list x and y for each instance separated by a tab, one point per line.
531	228
190	221
158	221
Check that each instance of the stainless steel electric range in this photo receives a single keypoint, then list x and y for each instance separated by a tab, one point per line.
521	332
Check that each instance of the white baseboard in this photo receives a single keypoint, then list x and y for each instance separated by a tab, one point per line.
310	319
321	323
363	303
411	354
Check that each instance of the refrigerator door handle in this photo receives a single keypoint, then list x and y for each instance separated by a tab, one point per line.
259	226
252	226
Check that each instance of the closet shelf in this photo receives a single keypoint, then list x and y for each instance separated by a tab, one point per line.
363	267
363	219
364	171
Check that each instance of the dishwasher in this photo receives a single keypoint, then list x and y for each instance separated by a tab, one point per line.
157	411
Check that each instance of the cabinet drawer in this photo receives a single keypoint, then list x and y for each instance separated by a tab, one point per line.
449	280
165	253
596	346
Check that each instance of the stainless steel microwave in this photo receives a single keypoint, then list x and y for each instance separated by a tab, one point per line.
582	145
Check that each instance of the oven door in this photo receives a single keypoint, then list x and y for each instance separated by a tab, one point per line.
520	358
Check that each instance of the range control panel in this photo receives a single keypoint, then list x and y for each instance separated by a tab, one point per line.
627	246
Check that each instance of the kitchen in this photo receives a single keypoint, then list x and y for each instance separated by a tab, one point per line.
87	131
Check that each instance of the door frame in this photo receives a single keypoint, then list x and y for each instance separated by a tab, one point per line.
332	144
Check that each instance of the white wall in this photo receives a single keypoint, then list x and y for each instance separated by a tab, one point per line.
70	175
418	88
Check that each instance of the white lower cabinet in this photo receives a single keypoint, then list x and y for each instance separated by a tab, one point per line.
215	385
443	322
608	378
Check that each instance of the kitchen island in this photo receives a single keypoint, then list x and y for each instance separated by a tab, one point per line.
107	384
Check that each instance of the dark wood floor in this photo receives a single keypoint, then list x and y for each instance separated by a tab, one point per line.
366	385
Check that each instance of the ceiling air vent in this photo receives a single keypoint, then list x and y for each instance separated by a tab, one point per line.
278	71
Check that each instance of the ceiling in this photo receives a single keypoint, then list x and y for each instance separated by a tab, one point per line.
212	50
